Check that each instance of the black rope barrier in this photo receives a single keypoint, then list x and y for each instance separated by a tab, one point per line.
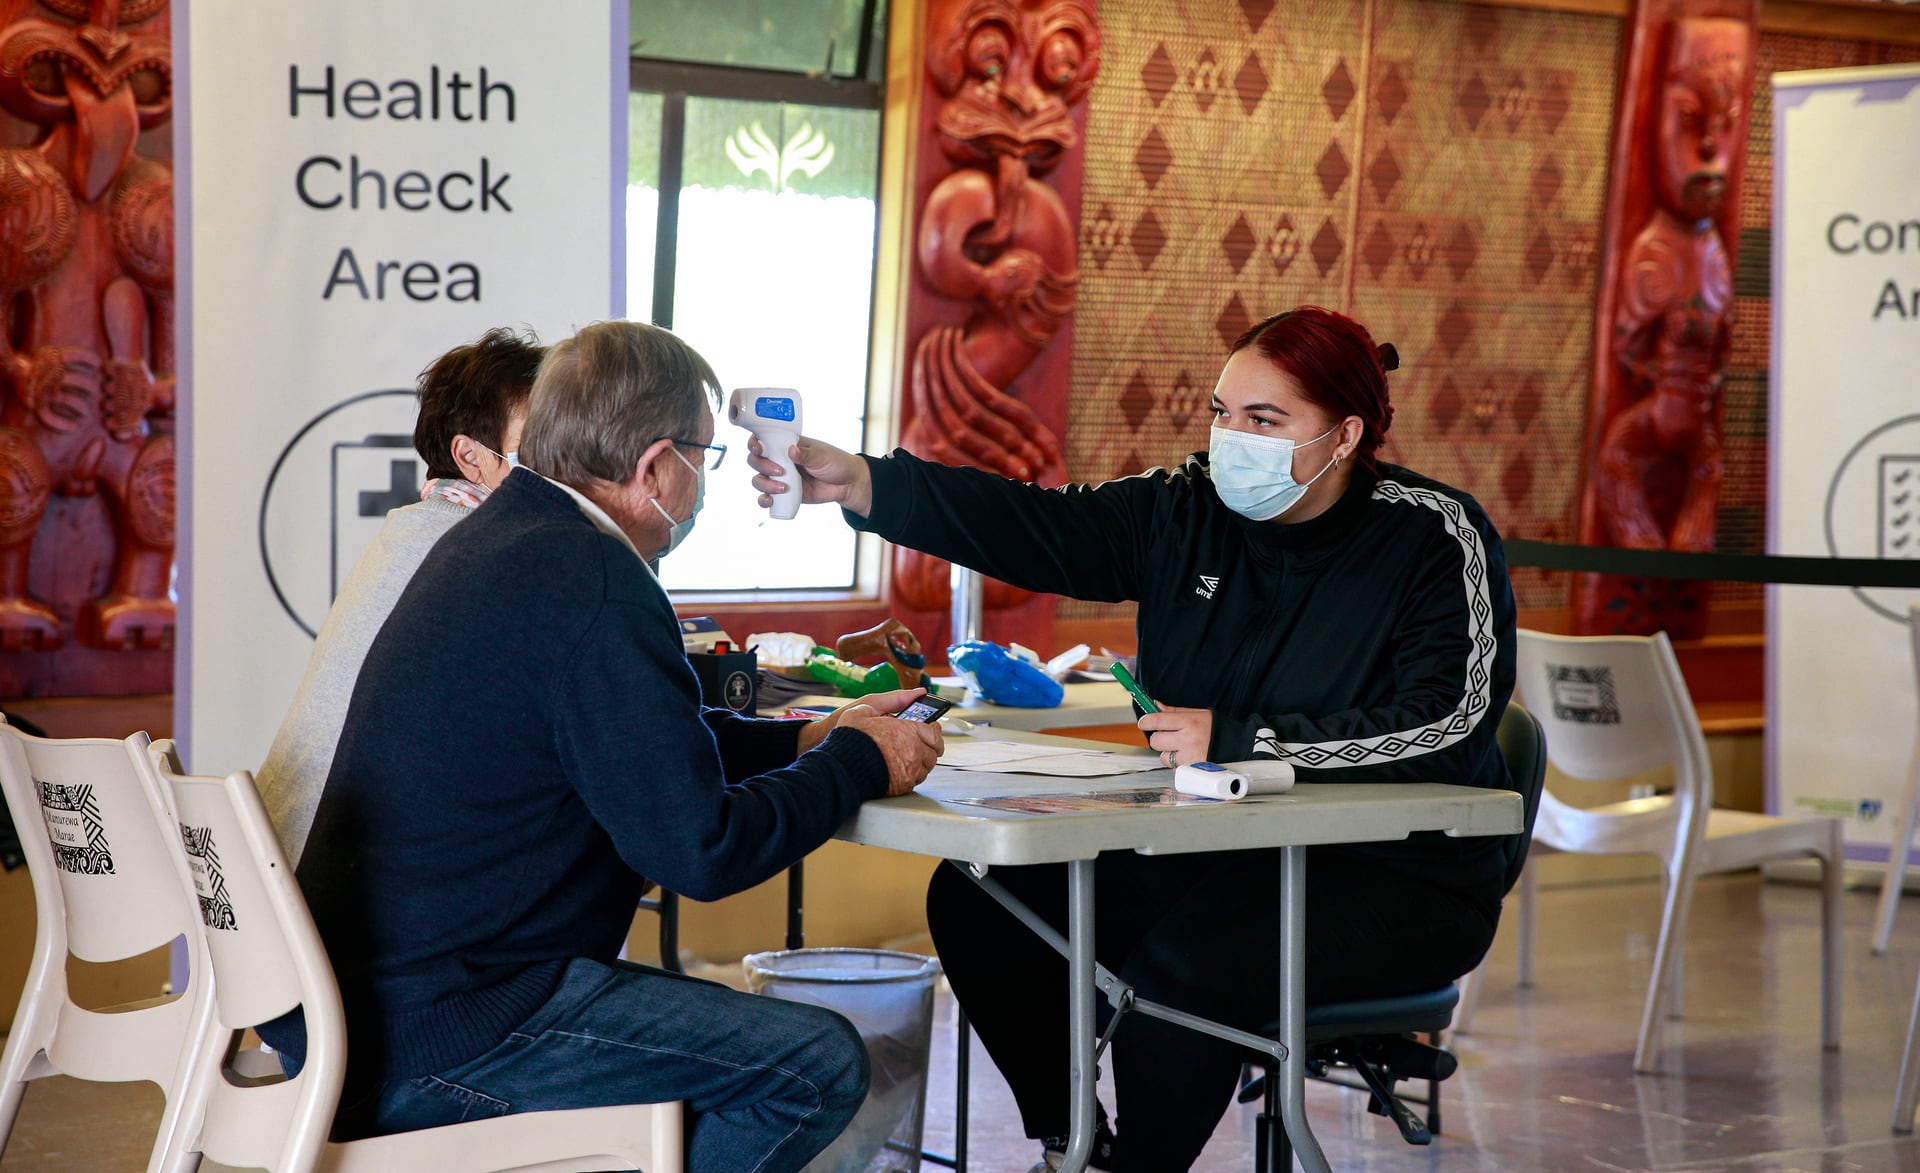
1688	565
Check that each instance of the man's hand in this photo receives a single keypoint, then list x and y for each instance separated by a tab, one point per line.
826	474
884	703
911	748
1181	735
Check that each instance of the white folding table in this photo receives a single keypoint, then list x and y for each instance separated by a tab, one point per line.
928	822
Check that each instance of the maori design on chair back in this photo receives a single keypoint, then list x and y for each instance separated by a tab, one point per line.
86	337
998	241
1654	468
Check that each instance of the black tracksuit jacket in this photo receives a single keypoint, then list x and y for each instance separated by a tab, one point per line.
1373	643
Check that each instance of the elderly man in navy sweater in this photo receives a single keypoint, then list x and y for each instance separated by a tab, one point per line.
524	742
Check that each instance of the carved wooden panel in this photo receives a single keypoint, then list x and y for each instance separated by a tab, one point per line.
1653	464
86	347
990	308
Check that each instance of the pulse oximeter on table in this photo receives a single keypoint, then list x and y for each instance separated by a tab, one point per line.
1207	780
1233	780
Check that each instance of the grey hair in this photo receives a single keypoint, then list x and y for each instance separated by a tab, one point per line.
606	394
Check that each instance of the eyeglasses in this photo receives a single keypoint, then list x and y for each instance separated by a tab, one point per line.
719	450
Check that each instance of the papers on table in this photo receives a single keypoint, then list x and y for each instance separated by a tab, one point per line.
1054	761
976	770
1158	797
778	690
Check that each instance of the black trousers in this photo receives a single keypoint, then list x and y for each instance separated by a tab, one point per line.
1199	932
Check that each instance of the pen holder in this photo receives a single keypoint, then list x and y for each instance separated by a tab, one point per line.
728	680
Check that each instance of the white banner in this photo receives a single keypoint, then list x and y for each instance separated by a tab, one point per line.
1845	428
363	185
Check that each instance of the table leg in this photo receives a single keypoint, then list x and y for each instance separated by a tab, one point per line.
796	905
1080	994
1293	1009
963	1076
667	904
963	1044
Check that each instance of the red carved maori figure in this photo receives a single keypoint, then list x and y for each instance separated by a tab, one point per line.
86	311
1654	482
998	241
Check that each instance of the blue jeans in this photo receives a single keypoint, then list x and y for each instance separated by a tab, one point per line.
767	1084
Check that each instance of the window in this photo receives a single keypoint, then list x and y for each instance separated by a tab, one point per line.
751	233
816	37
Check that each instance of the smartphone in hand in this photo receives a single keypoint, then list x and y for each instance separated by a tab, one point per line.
927	708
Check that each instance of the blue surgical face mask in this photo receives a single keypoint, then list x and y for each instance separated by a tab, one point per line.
1254	474
682	528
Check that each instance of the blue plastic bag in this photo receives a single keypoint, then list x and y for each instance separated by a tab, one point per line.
1000	678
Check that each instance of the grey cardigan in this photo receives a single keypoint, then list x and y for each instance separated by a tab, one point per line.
296	768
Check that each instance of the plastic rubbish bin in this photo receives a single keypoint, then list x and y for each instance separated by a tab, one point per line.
888	997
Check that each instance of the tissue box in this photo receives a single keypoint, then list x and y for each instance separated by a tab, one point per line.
728	680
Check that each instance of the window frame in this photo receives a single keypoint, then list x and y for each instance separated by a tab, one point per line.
675	82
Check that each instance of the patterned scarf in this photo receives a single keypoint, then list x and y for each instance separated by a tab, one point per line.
455	490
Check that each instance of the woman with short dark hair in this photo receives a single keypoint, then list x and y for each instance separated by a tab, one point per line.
1300	602
473	401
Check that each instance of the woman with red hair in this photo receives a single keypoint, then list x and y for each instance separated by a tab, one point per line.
1300	602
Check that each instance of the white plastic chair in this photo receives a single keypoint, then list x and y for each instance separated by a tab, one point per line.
267	958
1615	707
107	886
1902	845
1906	1094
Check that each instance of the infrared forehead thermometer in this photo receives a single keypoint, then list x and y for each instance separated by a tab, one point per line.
773	414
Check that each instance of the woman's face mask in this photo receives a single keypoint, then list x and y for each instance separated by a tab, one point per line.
1254	474
510	459
508	454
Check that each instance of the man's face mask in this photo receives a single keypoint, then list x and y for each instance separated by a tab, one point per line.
682	528
1254	474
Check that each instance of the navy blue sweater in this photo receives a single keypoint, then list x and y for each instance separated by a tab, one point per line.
524	742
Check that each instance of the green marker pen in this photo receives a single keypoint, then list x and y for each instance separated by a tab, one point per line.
1127	681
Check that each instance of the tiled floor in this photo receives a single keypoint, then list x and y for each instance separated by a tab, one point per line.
1545	1080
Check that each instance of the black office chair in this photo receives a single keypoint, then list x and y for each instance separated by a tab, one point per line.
1377	1037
